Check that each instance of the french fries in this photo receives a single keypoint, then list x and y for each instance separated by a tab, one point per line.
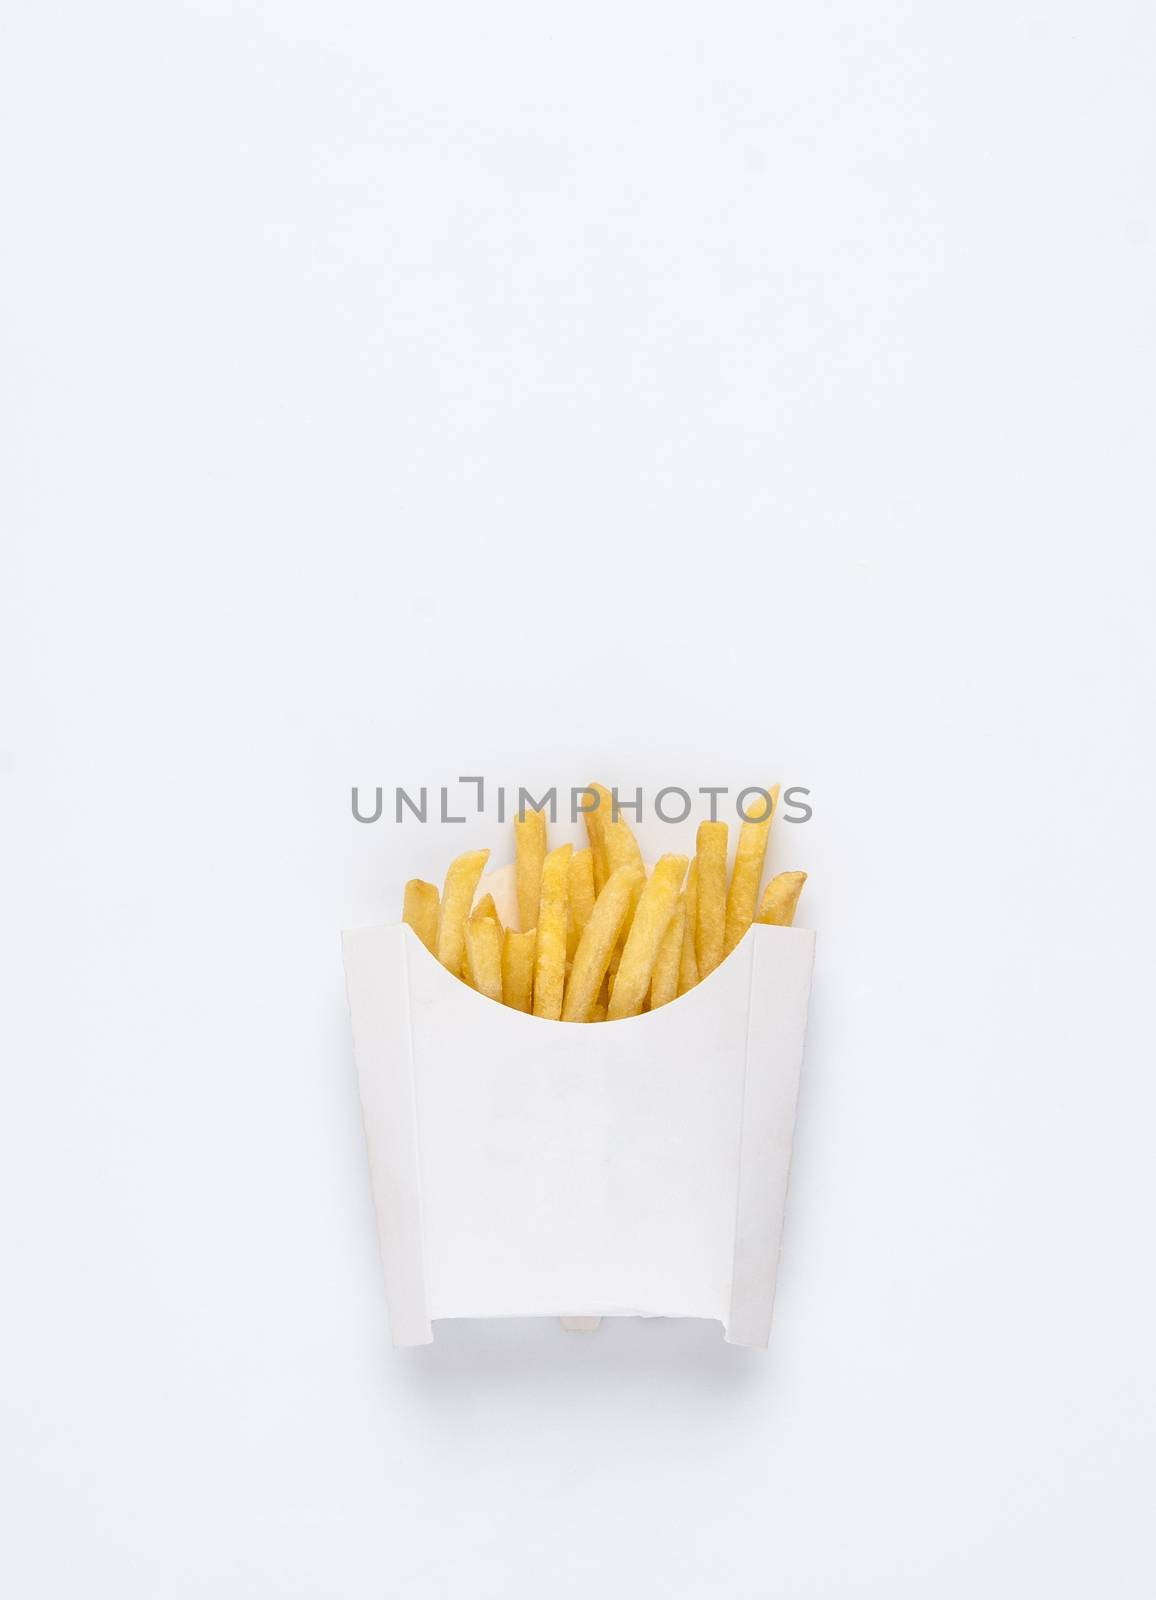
581	898
420	910
598	938
550	957
457	898
655	909
486	908
620	844
529	854
595	831
747	873
596	945
710	917
622	851
484	956
688	964
780	898
664	983
518	968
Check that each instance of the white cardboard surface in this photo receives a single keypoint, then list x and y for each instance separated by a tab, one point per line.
530	1168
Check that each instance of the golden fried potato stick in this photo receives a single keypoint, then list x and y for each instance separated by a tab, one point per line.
621	845
747	872
597	1012
484	956
581	898
780	898
622	851
457	898
596	945
420	910
518	968
688	965
486	908
710	918
550	957
616	953
651	919
529	854
596	831
664	981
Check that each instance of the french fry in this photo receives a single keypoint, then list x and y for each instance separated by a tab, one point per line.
747	873
597	943
420	910
597	940
688	965
457	898
596	832
621	845
518	968
780	898
486	908
484	956
622	851
651	918
529	854
550	956
581	898
710	917
664	982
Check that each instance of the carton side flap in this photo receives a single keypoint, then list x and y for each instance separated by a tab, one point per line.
780	988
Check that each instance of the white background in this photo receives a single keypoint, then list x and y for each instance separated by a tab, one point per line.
662	393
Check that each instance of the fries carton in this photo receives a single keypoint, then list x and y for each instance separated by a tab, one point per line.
524	1167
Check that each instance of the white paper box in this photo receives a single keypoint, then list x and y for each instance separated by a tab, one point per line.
530	1168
